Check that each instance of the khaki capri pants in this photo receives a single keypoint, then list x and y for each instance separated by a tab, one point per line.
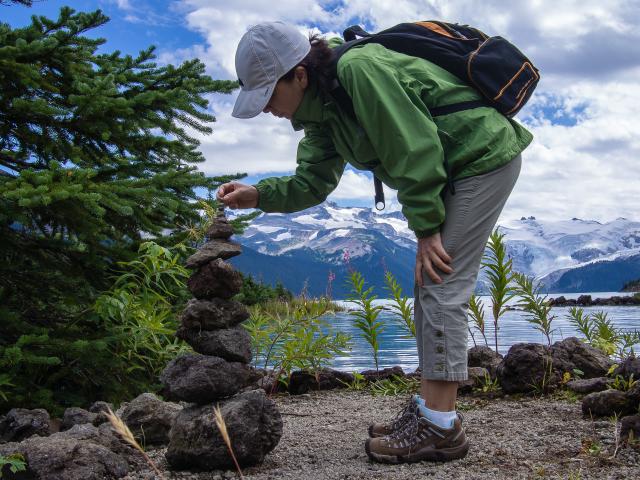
441	309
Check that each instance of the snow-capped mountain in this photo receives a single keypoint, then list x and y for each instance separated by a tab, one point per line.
571	255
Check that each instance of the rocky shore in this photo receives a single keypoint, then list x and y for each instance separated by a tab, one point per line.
587	301
513	438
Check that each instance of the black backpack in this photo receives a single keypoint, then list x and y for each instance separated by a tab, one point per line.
500	72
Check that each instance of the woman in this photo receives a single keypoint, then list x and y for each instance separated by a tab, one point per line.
281	72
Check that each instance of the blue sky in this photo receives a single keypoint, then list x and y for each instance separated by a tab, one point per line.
582	163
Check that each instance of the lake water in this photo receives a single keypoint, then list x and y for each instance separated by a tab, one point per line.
512	328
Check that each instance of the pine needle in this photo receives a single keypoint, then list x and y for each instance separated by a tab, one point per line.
225	436
122	429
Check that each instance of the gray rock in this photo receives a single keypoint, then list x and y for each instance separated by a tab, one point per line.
375	375
232	344
216	279
214	314
630	428
77	454
525	368
219	229
475	380
531	366
326	379
483	356
254	425
21	423
202	379
630	366
149	418
210	251
77	416
99	407
572	353
606	403
589	385
633	394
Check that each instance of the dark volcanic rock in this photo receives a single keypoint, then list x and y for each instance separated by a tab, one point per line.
254	425
214	314
326	379
530	366
202	379
149	418
375	375
220	228
483	356
630	366
216	279
630	428
81	453
475	380
606	403
526	367
232	344
589	385
223	249
77	416
21	423
572	353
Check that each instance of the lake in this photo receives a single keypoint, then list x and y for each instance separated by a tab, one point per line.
512	328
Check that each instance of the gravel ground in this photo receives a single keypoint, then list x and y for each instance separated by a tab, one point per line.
511	438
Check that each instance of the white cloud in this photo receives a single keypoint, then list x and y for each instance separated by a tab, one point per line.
590	66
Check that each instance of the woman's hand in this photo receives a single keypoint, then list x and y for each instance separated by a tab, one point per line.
431	255
238	195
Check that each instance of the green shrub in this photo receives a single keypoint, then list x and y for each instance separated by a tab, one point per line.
600	333
15	462
296	338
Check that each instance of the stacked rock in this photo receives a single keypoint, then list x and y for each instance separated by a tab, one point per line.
219	370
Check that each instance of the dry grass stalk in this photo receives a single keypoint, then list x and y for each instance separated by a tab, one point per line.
225	436
121	428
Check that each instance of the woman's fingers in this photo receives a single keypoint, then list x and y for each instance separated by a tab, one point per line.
427	266
439	249
439	263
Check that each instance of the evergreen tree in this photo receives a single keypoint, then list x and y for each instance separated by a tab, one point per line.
97	153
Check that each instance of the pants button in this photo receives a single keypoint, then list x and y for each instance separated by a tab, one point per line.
440	349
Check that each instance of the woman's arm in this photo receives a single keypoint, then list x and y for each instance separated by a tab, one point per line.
318	172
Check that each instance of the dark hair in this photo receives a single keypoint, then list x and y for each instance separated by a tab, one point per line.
317	62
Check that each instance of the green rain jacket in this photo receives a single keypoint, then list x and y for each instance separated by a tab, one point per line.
395	136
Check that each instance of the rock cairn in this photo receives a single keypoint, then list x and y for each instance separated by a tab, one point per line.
219	372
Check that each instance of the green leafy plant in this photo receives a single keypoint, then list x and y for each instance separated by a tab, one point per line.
395	385
476	313
141	308
602	334
358	384
623	384
298	337
15	461
543	385
401	307
367	313
537	309
500	274
488	384
5	381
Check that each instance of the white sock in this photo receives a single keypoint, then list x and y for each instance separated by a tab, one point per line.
441	419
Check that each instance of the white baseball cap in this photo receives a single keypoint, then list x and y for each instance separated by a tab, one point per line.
265	53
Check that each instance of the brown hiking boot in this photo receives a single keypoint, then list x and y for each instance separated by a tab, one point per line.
419	440
401	418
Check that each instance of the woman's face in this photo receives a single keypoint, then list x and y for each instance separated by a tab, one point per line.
288	94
